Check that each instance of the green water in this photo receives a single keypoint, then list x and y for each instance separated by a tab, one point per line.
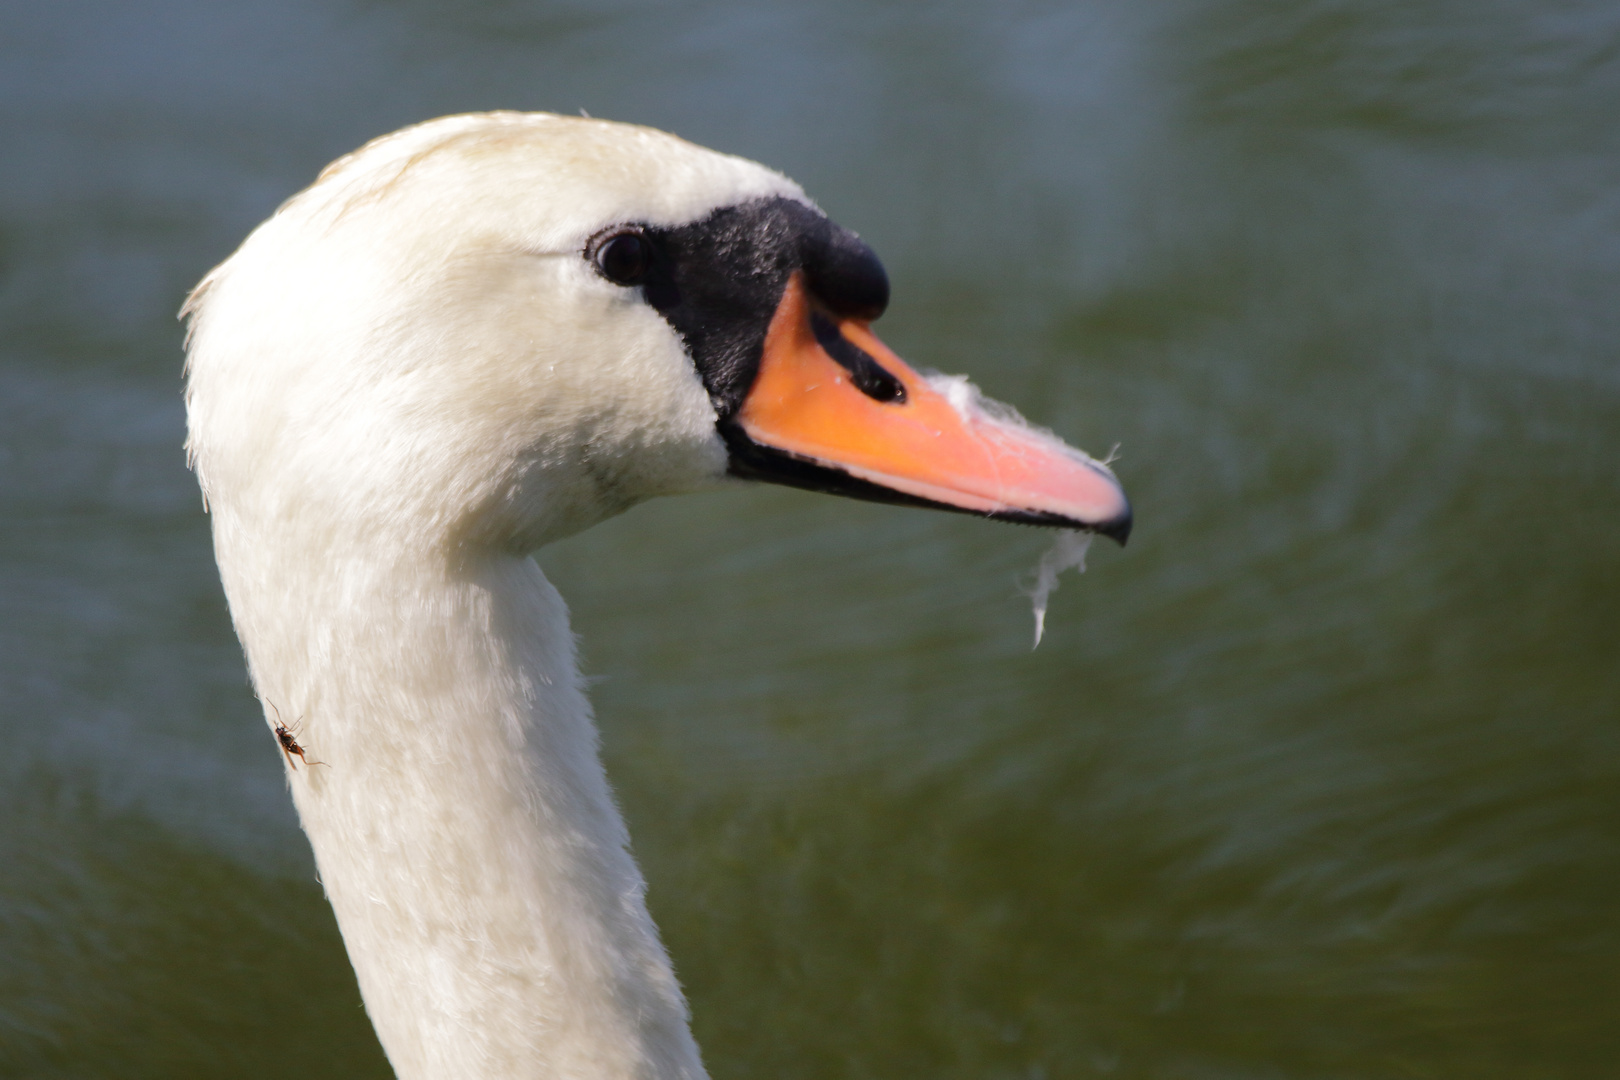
1320	778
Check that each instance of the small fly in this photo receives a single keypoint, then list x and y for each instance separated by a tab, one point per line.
289	741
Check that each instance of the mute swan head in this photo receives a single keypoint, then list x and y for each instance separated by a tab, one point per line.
500	329
463	341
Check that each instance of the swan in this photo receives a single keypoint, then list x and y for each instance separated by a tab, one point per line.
465	340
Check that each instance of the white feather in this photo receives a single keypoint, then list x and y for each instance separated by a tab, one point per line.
401	384
1068	552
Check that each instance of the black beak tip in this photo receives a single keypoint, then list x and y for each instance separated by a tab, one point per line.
1117	529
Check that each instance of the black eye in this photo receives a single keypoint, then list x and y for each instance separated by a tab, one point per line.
625	259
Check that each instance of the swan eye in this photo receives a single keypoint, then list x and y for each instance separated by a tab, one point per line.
625	259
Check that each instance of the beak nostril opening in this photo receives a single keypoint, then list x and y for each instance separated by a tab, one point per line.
866	374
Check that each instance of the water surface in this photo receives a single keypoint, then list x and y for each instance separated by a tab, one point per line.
1320	778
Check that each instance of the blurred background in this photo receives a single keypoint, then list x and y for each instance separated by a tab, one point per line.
1319	779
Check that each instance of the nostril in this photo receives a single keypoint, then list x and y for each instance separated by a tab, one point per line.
868	376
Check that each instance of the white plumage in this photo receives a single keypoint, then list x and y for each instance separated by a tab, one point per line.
399	386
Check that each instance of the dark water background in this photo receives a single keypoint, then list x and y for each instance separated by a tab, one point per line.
1319	779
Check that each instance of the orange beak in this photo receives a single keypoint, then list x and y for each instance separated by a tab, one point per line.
833	409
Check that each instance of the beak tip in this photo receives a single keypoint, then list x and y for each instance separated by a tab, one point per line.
1118	528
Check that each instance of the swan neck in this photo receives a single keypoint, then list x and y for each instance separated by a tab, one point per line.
460	818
